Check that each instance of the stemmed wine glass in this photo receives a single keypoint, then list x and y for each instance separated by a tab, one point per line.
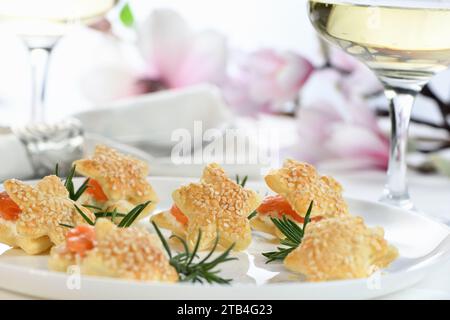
405	43
41	23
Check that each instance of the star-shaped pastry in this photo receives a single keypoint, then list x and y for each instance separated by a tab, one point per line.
43	208
341	248
218	207
122	178
129	253
299	183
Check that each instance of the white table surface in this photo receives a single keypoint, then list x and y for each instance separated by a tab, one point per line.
431	195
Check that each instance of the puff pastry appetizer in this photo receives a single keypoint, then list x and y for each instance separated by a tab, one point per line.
296	185
217	206
116	181
340	248
110	251
30	217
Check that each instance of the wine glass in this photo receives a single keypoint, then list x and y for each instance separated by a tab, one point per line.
405	43
41	23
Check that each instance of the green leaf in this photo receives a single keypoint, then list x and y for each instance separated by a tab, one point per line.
92	207
243	182
163	240
190	270
252	215
85	217
126	16
66	225
57	169
132	215
293	233
80	190
68	183
107	214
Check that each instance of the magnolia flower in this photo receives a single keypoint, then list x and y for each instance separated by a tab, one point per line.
171	55
176	56
341	129
266	80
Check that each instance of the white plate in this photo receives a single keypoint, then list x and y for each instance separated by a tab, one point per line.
418	239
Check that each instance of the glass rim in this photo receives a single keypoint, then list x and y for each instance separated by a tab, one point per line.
423	4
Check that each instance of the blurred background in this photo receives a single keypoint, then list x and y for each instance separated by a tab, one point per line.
130	76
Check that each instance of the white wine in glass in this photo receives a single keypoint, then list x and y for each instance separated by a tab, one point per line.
41	23
405	42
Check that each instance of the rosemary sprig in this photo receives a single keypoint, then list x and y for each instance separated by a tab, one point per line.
85	217
57	170
294	235
92	207
243	182
252	215
68	183
131	216
190	270
66	225
127	219
109	214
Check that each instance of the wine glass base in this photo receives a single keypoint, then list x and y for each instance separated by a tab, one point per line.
403	201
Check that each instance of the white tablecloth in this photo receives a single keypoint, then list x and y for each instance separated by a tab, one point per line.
431	195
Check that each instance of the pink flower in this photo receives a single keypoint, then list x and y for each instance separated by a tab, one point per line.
342	131
176	56
265	80
168	54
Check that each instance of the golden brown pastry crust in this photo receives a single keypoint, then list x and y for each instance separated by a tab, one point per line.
299	183
129	253
43	208
340	248
122	178
9	236
218	207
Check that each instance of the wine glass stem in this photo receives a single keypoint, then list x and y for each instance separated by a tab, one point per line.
400	105
39	70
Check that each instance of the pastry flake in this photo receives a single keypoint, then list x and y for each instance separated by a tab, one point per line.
41	209
110	251
340	248
116	181
217	206
296	185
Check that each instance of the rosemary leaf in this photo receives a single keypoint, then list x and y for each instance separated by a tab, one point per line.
107	214
190	270
132	215
68	183
81	190
66	225
92	207
293	233
163	240
252	215
243	182
85	217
